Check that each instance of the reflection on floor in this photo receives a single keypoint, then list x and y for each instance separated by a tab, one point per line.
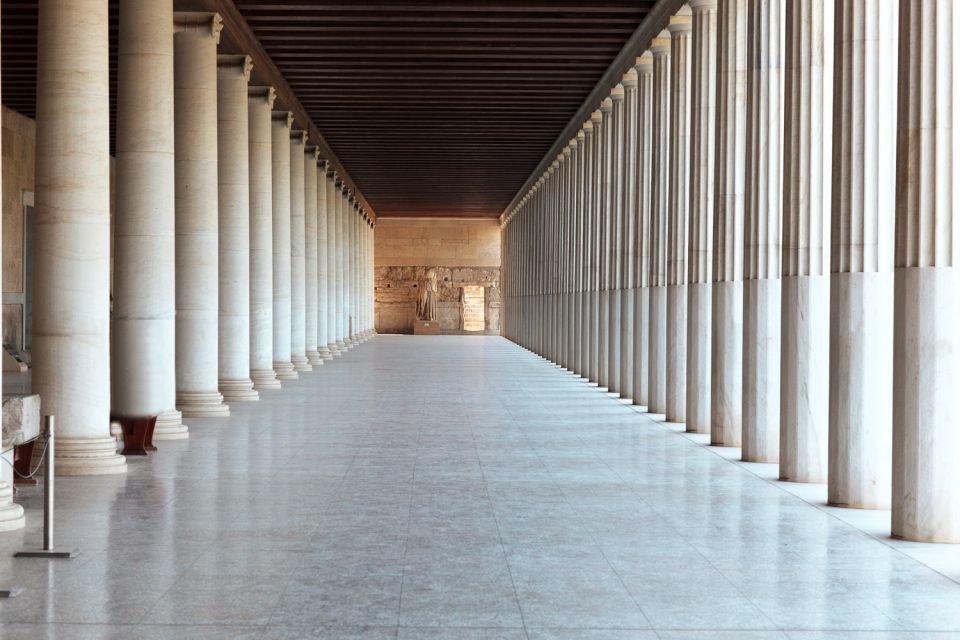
461	488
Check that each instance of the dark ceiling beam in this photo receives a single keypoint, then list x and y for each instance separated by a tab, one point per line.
655	22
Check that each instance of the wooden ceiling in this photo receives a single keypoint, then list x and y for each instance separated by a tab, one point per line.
436	108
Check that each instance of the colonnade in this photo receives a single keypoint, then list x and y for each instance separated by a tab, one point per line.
754	234
241	258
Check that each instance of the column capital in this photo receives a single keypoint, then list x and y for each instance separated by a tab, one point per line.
629	78
644	63
269	94
298	137
241	64
312	150
702	5
568	150
596	117
660	45
575	141
283	118
681	22
617	94
606	106
200	23
582	135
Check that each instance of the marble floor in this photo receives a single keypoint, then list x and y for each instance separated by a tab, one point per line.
456	488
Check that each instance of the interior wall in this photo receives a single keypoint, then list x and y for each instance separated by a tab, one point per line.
462	251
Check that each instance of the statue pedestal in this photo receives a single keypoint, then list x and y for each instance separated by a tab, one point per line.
426	327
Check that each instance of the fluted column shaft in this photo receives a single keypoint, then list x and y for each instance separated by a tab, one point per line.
726	384
282	266
341	280
760	440
259	109
628	233
310	252
233	168
298	257
646	136
806	286
660	149
615	253
703	116
323	269
677	225
143	331
197	228
861	280
332	195
926	354
603	145
586	283
71	341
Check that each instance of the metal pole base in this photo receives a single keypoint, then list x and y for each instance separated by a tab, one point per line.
12	592
55	555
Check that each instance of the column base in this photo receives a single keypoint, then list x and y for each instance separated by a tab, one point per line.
342	347
325	353
334	350
285	370
238	390
88	457
313	357
300	363
11	514
169	426
264	379
202	404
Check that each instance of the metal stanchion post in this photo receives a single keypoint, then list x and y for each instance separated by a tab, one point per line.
48	488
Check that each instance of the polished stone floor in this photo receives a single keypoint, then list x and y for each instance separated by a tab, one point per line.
455	488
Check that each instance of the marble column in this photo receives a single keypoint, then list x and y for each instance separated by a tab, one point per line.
260	105
726	384
760	441
298	258
586	250
282	242
660	149
576	294
332	310
677	226
861	280
233	168
805	303
311	252
197	280
339	240
644	182
321	276
703	116
143	331
615	242
926	353
71	341
628	231
11	515
596	246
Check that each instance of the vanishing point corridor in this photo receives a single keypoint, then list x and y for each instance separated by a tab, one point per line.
519	502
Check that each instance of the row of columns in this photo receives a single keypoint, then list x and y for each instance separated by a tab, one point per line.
241	259
754	235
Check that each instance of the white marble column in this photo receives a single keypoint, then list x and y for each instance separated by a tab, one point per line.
926	354
628	231
726	385
805	346
71	341
660	149
586	244
310	251
645	192
323	302
576	285
282	242
11	515
703	116
339	240
861	280
143	332
298	258
760	440
197	282
615	242
233	168
260	106
333	194
596	246
677	225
